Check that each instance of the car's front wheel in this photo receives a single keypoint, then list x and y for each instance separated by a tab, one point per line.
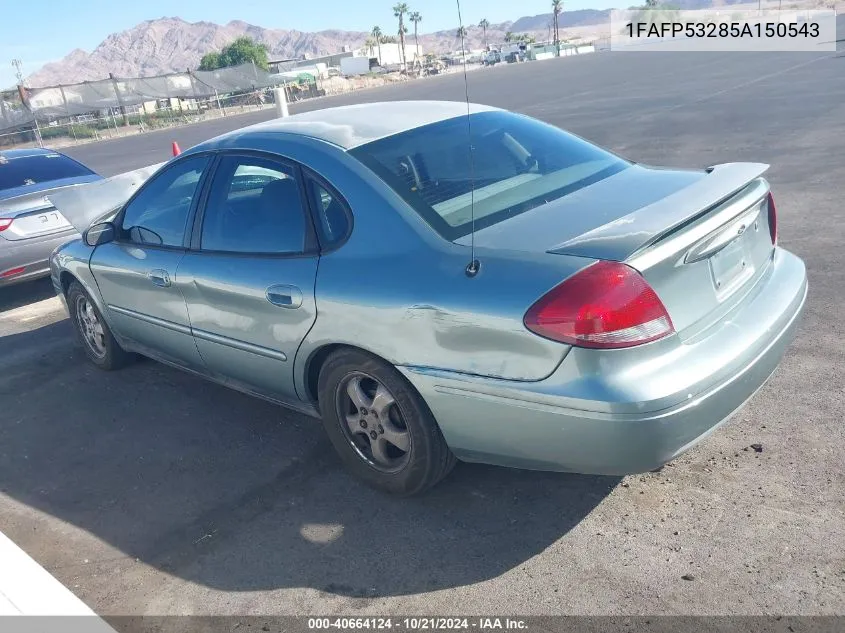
380	426
97	340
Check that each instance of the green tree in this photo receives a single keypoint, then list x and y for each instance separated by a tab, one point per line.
484	24
557	9
399	11
210	61
416	18
509	37
243	50
377	35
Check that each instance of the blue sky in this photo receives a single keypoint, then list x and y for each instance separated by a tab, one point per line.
59	26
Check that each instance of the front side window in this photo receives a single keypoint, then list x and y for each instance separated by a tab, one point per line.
158	214
254	206
513	164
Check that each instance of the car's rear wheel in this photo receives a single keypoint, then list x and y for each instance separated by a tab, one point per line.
97	340
380	426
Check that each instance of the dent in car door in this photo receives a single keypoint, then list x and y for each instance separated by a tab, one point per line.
138	274
251	294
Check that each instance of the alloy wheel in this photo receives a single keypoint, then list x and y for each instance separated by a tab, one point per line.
90	327
373	423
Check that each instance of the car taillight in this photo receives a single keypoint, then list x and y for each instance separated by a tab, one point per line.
12	272
773	220
607	305
5	223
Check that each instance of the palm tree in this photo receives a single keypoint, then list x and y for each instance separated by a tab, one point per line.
509	37
376	33
416	18
484	24
369	45
557	9
462	33
399	11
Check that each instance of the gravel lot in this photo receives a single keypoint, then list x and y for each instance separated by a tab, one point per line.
148	491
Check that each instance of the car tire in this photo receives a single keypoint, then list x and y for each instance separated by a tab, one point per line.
372	444
93	332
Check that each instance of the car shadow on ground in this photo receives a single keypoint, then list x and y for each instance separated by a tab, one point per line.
25	294
235	493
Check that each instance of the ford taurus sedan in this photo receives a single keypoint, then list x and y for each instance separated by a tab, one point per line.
30	226
438	282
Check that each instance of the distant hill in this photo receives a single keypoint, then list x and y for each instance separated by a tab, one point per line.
568	19
164	45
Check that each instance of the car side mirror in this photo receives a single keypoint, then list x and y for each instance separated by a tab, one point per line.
101	233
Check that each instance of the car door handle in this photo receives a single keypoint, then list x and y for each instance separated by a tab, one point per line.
159	277
284	296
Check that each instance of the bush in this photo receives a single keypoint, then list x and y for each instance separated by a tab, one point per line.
60	131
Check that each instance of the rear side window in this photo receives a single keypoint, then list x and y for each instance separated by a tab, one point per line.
516	163
332	213
159	213
254	206
41	168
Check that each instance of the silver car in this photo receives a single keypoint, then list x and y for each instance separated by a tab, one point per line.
525	299
30	226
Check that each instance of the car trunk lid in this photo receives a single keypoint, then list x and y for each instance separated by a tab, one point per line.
703	266
700	238
31	215
91	202
623	237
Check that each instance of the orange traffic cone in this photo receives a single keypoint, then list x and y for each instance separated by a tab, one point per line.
176	149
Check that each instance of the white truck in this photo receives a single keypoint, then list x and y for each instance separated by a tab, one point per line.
351	66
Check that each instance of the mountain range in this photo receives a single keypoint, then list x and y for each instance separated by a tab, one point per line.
165	45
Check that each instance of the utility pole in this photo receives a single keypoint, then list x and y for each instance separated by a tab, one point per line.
119	101
17	64
19	75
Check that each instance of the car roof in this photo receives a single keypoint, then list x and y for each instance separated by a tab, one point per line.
28	152
354	125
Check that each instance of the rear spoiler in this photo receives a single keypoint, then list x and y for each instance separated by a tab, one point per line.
84	204
620	239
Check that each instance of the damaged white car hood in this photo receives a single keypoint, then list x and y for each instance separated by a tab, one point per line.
84	204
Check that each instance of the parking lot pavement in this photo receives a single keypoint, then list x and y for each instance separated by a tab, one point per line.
148	491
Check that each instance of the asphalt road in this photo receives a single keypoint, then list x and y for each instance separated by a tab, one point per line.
148	491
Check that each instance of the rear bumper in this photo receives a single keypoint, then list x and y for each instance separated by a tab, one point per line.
618	412
32	254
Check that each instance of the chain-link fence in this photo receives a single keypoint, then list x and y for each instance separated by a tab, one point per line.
120	106
13	113
109	108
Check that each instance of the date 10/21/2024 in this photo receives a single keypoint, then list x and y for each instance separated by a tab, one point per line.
421	623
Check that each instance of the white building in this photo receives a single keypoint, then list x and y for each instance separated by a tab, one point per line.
391	54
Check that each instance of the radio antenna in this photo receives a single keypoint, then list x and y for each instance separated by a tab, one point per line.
474	265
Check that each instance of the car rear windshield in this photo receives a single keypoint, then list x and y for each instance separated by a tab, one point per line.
21	171
516	163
